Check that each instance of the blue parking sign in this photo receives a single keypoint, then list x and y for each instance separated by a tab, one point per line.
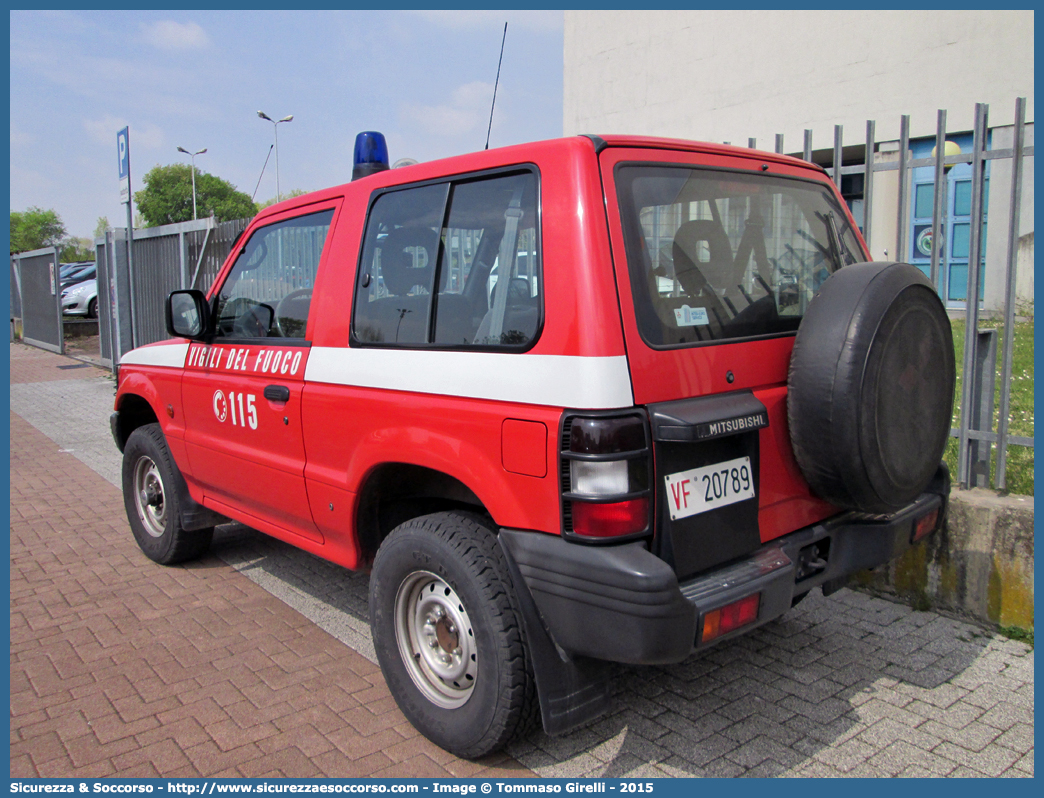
123	149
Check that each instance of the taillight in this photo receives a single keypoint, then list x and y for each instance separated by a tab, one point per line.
611	519
730	617
605	467
925	524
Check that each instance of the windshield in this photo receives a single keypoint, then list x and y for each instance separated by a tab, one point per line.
719	254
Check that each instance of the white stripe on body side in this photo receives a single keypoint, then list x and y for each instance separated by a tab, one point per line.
169	355
593	383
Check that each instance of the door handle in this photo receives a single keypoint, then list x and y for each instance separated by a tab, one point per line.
277	393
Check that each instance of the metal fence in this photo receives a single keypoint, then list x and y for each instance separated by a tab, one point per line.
110	257
184	255
36	295
16	290
975	433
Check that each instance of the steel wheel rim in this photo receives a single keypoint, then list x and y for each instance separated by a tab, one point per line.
149	498
436	639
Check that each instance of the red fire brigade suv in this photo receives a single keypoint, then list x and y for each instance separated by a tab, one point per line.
574	402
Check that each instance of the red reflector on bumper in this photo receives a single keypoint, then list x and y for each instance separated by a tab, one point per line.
925	524
731	616
612	519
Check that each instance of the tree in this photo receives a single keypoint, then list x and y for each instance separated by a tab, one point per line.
76	249
297	192
35	229
167	196
101	227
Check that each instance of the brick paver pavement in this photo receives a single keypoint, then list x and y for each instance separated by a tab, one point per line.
121	667
106	676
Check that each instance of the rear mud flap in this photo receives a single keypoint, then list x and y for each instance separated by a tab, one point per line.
572	690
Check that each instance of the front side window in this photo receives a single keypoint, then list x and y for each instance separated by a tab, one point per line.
268	292
431	265
716	255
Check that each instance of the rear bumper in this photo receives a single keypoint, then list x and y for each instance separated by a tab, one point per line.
623	604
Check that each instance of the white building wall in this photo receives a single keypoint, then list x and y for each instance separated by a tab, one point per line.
997	235
730	75
733	75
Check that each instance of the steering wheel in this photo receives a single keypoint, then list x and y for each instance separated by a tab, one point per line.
251	321
302	297
229	314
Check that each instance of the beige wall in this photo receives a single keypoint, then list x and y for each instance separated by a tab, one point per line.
732	75
729	75
997	236
884	221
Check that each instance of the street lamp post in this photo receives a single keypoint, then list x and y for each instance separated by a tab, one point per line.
939	269
193	156
275	128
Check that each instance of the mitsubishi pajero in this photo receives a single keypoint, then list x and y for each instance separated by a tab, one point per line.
598	399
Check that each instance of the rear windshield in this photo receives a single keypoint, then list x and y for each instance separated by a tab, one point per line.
716	255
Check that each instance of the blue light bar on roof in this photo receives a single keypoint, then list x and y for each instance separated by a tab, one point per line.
371	154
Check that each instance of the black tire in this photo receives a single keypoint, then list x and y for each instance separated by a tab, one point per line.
448	634
150	495
92	309
870	389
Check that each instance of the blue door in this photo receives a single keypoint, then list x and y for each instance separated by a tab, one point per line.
956	230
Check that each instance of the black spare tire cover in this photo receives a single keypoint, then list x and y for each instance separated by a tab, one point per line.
870	389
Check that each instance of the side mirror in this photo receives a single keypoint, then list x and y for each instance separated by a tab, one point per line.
188	315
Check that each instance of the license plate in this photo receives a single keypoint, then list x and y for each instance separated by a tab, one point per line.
710	487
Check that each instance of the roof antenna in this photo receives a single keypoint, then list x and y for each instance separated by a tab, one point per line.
501	61
270	146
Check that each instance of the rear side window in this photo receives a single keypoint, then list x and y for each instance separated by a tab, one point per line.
716	255
432	262
268	292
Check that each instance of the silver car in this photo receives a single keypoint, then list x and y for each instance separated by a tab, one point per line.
81	299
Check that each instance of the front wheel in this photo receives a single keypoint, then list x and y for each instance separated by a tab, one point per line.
448	634
151	499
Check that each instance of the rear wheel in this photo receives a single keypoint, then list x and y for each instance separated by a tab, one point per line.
448	634
151	499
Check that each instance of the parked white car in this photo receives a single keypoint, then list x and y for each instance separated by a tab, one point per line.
81	299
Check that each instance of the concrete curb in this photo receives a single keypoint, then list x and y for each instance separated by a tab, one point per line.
979	567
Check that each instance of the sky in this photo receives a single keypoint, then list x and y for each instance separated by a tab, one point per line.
197	79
